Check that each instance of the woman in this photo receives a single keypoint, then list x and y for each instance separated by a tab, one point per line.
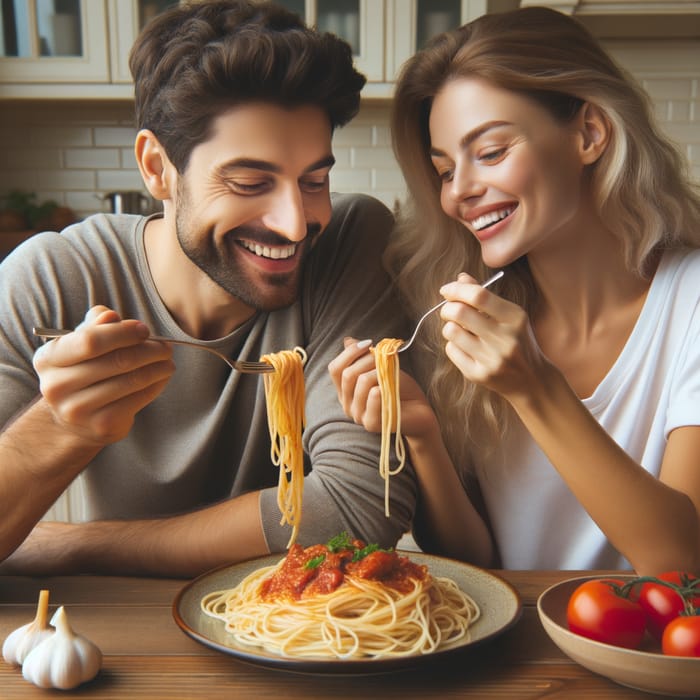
565	399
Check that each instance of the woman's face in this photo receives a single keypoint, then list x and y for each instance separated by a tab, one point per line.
511	174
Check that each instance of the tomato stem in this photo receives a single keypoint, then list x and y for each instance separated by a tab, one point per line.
688	588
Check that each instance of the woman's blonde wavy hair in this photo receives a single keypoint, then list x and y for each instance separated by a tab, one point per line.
641	184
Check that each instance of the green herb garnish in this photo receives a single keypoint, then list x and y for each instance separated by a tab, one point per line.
344	541
341	541
315	562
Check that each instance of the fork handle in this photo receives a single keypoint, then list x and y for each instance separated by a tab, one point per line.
50	332
42	332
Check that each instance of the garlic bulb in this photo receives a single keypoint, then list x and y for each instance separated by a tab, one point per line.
64	660
20	642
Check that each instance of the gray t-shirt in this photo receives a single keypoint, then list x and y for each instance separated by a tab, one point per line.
206	437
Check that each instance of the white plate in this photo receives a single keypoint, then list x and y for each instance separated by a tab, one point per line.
646	670
498	601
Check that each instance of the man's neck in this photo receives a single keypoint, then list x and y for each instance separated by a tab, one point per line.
197	304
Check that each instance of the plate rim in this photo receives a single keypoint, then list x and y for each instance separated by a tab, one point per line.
345	666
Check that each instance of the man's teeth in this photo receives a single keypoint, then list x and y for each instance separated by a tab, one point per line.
275	253
491	218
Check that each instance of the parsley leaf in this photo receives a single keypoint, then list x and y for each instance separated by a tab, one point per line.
341	541
315	562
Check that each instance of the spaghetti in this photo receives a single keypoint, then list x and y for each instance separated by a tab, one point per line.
284	394
387	363
347	602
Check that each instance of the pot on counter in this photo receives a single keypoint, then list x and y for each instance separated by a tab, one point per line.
132	202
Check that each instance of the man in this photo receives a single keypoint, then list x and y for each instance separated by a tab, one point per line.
236	104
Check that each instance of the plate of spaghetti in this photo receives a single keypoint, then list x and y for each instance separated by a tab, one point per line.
345	607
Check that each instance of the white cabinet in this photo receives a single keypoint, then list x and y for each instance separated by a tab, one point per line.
79	52
616	7
79	48
410	23
41	44
359	22
384	33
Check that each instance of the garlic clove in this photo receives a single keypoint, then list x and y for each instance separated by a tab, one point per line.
22	640
64	660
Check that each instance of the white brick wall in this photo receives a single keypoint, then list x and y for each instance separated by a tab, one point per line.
75	152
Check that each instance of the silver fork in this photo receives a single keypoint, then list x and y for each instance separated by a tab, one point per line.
409	342
243	366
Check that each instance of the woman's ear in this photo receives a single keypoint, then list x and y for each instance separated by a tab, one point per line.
153	164
595	131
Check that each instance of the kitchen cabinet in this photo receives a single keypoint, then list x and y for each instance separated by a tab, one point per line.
42	40
411	23
70	49
78	49
382	33
359	22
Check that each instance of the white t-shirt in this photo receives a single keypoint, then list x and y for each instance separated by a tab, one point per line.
653	387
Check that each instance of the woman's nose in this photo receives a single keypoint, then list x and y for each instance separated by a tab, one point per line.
465	183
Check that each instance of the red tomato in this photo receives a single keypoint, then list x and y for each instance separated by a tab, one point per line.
682	636
662	604
596	610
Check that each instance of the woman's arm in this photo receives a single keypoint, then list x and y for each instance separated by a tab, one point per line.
447	520
654	523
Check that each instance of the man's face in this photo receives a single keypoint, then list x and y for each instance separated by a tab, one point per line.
253	199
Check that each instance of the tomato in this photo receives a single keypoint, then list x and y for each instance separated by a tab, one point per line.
597	610
682	636
662	604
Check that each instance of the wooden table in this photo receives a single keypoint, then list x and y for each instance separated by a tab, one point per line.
147	656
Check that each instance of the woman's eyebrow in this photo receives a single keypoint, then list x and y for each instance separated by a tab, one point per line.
471	136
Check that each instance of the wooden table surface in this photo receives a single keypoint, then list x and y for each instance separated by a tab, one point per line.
146	655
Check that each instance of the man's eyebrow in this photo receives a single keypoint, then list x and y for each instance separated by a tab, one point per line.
267	166
471	136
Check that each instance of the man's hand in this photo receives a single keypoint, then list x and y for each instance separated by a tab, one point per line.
98	378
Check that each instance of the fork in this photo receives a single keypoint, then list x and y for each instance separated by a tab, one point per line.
409	342
243	366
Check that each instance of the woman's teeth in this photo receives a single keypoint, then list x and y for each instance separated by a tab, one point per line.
275	253
491	218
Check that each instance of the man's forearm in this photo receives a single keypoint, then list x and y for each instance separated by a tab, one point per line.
38	461
180	546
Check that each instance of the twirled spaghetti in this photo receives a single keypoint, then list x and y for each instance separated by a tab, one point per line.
350	603
285	397
387	363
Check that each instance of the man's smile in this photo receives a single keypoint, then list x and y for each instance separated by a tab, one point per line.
279	252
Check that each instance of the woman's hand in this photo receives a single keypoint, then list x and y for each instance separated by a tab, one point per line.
96	379
490	340
354	374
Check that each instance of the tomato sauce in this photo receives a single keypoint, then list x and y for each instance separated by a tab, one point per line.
315	570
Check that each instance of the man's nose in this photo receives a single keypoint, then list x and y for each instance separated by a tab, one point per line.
286	215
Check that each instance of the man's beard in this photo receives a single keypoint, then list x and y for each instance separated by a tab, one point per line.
268	291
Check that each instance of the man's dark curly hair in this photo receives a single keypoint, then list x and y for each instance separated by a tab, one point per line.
195	61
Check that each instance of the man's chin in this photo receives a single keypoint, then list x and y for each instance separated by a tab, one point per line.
274	299
269	305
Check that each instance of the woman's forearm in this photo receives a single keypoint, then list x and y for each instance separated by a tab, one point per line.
446	517
656	527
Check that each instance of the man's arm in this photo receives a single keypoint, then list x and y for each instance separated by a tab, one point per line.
180	546
93	382
39	461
